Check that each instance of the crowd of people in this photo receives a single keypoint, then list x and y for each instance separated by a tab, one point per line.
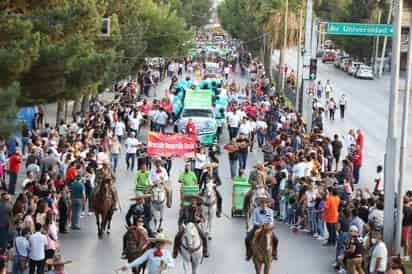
313	180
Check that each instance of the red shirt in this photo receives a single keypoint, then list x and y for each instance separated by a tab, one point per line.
14	163
70	173
190	129
359	141
357	158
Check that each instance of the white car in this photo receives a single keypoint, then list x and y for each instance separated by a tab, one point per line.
354	67
364	72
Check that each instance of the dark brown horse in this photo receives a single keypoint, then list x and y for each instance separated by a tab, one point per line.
137	243
103	203
262	248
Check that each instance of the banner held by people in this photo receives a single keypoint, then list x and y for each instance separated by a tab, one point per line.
167	145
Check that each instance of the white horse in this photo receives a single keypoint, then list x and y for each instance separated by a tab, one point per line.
209	207
191	248
259	192
158	202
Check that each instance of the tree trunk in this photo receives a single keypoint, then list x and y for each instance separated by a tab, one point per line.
281	78
85	103
76	105
267	61
60	111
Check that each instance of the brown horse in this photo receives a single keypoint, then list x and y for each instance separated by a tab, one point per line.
103	203
262	248
137	243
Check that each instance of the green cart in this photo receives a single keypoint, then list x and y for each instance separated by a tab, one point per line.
241	187
188	190
141	188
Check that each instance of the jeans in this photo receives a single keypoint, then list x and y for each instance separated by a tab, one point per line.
356	170
4	235
291	215
36	265
233	132
261	138
311	219
340	244
233	168
77	205
342	111
332	233
282	209
320	224
24	143
12	183
113	160
16	266
132	157
242	160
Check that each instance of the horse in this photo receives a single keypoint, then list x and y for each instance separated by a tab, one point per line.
262	248
158	202
209	206
191	248
249	204
103	203
136	243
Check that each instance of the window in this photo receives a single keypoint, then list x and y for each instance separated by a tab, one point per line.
197	113
105	30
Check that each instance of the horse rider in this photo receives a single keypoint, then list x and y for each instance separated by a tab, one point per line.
106	175
158	258
159	174
207	175
139	212
190	214
262	215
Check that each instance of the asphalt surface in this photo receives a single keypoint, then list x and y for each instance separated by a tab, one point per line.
368	103
299	253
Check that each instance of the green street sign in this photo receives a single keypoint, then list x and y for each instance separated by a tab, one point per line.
355	29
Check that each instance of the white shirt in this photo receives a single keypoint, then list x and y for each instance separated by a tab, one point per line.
154	176
161	118
153	262
38	243
135	122
233	119
379	251
131	145
22	247
119	129
261	125
244	128
200	161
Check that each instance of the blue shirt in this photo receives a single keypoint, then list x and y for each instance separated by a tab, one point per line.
153	261
259	218
77	189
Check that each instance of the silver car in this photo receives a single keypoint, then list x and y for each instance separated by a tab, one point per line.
364	72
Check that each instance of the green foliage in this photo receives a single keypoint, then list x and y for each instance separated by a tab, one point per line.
8	109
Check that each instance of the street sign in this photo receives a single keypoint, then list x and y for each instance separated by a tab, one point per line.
355	29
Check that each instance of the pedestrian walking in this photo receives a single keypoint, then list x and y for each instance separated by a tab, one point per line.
14	162
243	144
332	108
342	105
37	255
131	145
78	198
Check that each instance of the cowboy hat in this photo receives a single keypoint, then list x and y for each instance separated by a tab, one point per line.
192	197
58	260
160	238
140	195
264	200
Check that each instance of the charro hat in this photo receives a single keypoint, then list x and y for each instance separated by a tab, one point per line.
140	195
264	200
192	197
160	238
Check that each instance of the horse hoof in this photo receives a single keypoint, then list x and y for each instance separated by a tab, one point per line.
108	232
209	238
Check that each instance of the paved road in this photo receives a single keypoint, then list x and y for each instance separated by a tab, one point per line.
93	256
367	109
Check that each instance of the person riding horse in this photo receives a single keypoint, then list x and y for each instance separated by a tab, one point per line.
159	174
262	215
106	175
190	214
207	175
139	212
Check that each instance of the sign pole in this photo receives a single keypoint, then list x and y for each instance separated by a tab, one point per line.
391	163
404	141
385	41
306	100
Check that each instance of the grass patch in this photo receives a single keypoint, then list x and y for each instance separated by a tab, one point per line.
408	266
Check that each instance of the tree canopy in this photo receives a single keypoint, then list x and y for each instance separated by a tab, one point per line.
54	50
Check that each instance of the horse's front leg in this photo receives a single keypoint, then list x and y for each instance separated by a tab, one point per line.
99	230
258	266
109	221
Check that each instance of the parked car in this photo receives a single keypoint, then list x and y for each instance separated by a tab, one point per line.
364	72
344	64
354	67
328	56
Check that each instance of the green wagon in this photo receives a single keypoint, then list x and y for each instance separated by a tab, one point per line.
241	187
188	190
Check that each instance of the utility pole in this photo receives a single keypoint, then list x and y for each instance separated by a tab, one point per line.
314	39
375	61
385	41
391	163
307	102
404	142
298	69
282	52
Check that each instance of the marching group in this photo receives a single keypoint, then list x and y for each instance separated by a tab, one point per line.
312	183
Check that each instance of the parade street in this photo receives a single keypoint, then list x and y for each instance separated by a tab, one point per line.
367	110
227	252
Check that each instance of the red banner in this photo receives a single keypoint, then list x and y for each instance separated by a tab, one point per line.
168	145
